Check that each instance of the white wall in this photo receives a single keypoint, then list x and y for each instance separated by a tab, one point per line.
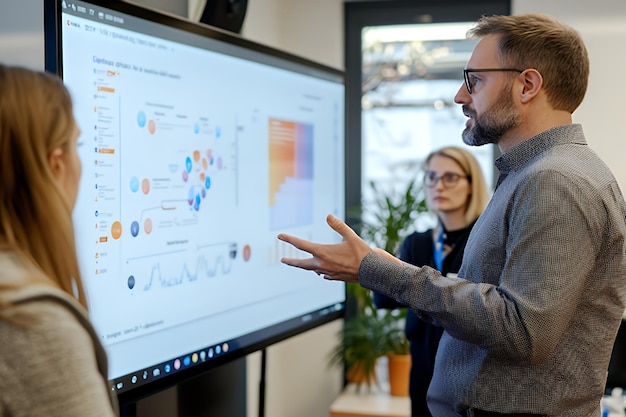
298	380
313	29
21	33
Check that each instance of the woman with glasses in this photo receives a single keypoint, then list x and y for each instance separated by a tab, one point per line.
457	193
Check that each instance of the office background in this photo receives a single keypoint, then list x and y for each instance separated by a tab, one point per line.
299	381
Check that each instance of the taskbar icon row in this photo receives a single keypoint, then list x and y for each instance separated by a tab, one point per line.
145	376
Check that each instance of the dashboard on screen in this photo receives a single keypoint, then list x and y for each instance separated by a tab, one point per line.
198	147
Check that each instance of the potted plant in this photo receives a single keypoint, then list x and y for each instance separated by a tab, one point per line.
361	343
397	352
372	333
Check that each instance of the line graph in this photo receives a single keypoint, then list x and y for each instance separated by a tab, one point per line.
177	268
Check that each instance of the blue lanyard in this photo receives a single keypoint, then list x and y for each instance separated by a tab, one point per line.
438	250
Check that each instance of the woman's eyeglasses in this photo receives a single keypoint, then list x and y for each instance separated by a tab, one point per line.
448	179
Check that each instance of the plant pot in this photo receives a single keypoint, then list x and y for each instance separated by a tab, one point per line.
356	374
399	368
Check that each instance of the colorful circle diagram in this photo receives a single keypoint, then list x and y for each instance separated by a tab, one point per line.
196	172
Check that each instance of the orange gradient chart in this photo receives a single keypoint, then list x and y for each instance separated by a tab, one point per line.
290	173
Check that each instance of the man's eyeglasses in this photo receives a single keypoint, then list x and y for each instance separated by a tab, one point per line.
448	179
469	82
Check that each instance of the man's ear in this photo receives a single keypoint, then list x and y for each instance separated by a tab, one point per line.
533	81
57	165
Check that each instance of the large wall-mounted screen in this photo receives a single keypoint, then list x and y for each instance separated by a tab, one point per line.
198	147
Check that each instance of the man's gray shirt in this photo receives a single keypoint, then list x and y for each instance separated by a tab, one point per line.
531	319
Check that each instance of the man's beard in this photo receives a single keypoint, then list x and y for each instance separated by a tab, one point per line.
493	123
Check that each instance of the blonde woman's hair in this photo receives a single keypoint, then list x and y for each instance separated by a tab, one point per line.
35	216
480	192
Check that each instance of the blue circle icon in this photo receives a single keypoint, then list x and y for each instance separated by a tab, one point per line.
134	184
134	228
141	119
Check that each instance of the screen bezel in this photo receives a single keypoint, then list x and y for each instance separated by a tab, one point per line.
259	339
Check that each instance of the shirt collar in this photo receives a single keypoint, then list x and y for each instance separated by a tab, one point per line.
521	154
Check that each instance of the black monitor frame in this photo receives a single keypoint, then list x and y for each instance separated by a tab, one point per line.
254	341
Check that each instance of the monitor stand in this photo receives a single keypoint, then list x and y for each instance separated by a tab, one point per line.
218	393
